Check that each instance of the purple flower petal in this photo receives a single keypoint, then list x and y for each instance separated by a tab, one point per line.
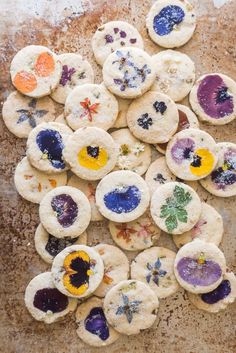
66	209
116	30
109	38
133	40
221	292
123	34
182	149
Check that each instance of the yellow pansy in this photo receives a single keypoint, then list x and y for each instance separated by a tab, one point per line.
203	162
92	157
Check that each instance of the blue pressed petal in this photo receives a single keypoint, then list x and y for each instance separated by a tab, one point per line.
32	122
148	278
149	266
157	263
23	117
125	299
120	310
40	113
129	315
32	103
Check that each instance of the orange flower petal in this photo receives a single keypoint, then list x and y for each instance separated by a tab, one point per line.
44	65
39	187
53	183
25	82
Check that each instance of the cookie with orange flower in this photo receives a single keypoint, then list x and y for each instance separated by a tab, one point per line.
35	71
77	271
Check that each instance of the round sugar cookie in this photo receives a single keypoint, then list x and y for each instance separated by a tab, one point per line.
199	266
222	180
45	302
48	246
35	71
155	267
61	119
114	35
187	120
213	99
128	72
92	325
175	207
191	154
116	267
219	298
32	184
45	146
123	105
77	271
133	155
75	71
91	152
171	23
65	212
140	234
175	74
209	228
158	174
122	196
21	114
88	187
153	118
91	105
131	306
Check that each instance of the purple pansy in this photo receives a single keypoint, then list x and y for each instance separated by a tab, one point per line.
96	323
221	292
66	74
155	272
66	209
226	174
31	114
182	149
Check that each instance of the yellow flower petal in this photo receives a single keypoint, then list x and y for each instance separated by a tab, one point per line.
206	162
94	163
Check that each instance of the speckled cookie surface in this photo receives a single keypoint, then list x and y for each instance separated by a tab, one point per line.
44	301
131	306
213	99
123	105
61	119
133	154
209	228
175	74
65	212
222	180
128	72
32	184
199	266
171	23
77	271
91	105
35	71
122	196
191	154
116	267
114	35
91	152
92	325
48	246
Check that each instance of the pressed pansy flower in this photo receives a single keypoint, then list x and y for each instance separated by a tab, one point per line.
125	232
31	114
155	272
129	308
203	161
123	59
66	74
226	174
145	121
182	149
89	109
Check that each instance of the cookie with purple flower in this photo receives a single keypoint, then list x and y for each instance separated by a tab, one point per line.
76	71
155	267
222	180
213	99
171	23
128	72
199	266
114	35
21	113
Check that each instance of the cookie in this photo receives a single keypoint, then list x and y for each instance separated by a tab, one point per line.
65	212
116	267
171	23
75	71
133	155
91	105
21	114
45	302
199	266
77	271
209	228
61	119
122	196
35	71
45	146
32	184
153	118
158	174
91	152
114	35
213	99
131	306
219	298
128	72
155	267
88	187
92	325
123	105
48	246
187	120
175	207
222	180
140	234
191	154
175	74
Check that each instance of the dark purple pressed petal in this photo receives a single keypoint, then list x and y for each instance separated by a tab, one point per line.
133	40
66	209
123	200
199	274
116	30
50	299
221	292
96	323
66	74
55	245
109	38
117	81
123	34
182	150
